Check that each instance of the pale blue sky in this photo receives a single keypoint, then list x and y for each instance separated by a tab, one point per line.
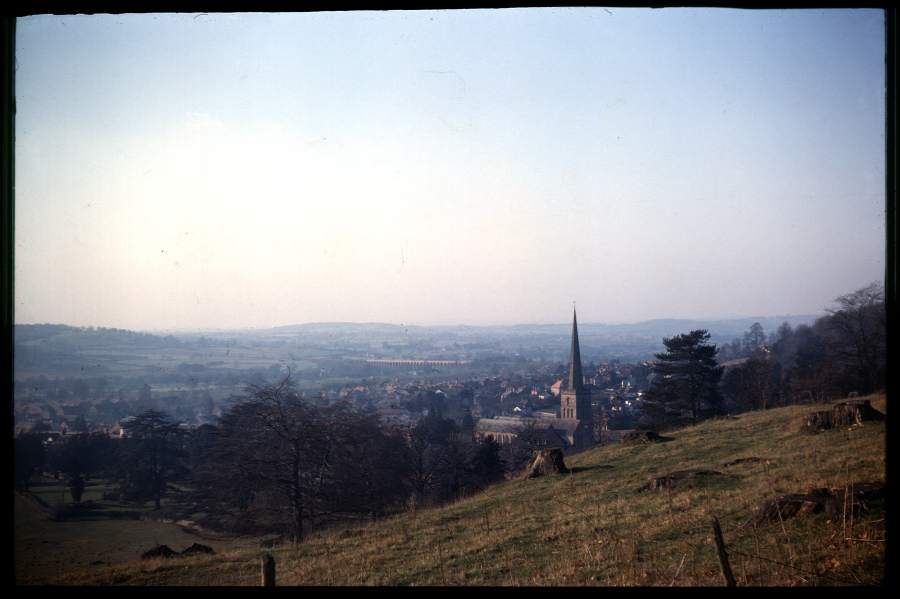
478	167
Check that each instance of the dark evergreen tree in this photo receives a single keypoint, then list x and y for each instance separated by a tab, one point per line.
685	387
151	456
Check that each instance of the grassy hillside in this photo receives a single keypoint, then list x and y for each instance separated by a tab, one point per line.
593	527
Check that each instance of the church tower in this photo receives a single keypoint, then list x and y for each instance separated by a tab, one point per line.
575	399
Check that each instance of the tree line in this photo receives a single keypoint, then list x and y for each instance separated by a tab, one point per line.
275	462
842	352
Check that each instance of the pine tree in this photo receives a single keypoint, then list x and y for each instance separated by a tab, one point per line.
686	381
151	456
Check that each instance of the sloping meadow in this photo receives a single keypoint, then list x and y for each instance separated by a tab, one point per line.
625	515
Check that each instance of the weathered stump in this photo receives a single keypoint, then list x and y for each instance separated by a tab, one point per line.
854	411
793	504
547	461
834	502
640	438
845	413
854	499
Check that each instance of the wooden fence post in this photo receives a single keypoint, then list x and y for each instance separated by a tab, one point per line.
723	556
268	571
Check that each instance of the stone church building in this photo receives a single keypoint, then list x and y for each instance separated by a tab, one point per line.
573	428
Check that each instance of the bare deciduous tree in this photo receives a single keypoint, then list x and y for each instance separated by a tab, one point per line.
857	334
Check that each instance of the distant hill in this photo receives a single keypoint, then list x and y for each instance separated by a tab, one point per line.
56	349
63	335
653	328
62	350
658	328
597	527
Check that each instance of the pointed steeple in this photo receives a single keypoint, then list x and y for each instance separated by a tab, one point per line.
576	379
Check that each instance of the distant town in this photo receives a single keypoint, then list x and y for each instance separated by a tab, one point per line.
71	379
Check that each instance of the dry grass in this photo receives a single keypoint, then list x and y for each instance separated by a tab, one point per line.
593	527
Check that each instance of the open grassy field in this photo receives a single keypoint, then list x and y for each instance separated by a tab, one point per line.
595	527
110	533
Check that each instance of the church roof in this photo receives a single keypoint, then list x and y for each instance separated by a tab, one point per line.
576	378
507	424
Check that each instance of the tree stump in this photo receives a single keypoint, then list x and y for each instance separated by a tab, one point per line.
854	411
640	438
793	504
834	502
547	461
854	499
845	413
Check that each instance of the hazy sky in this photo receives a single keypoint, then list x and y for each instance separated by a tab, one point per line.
477	167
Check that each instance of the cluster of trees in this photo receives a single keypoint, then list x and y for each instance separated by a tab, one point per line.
143	463
276	462
841	352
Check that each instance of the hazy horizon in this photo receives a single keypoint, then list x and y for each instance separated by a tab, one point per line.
433	324
465	167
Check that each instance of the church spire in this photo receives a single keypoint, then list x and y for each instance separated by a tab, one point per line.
576	379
